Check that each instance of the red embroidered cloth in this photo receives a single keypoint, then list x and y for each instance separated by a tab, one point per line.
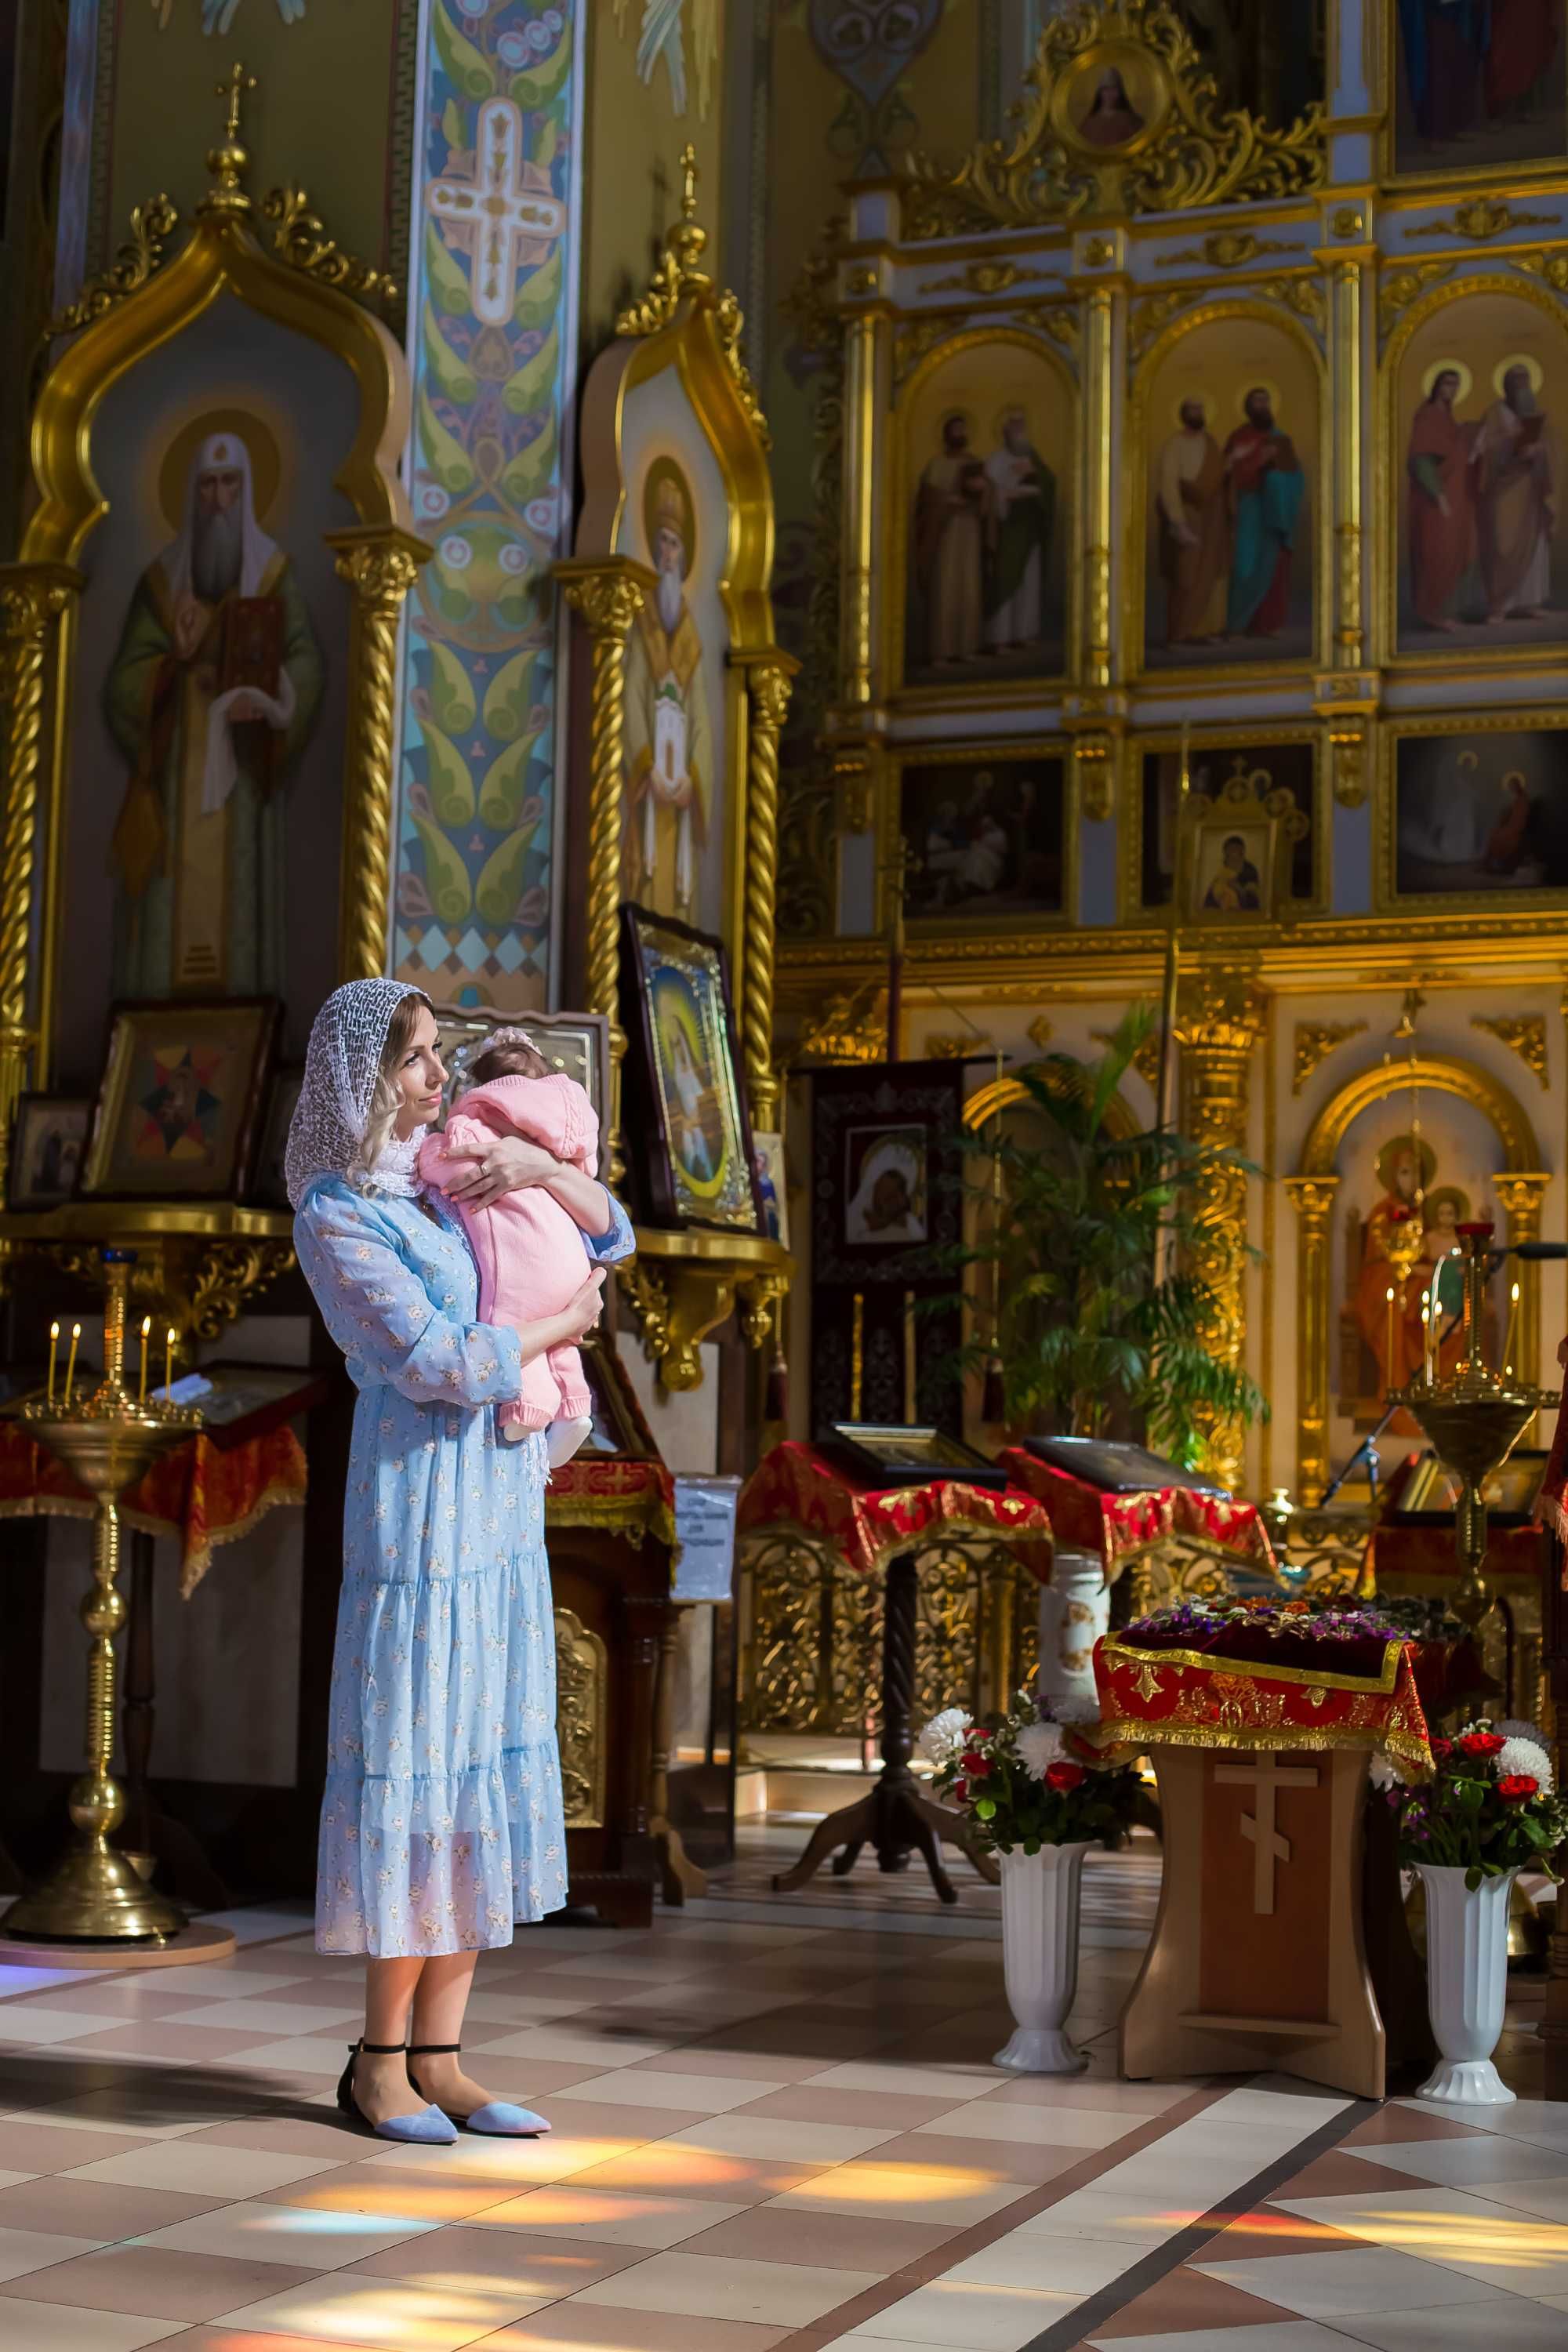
1118	1527
1355	1695
796	1485
1429	1552
202	1493
628	1497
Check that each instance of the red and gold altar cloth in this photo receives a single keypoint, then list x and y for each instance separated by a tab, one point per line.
1358	1694
200	1493
630	1498
1427	1553
1121	1527
796	1486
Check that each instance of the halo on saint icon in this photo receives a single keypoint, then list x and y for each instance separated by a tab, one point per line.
1406	1147
246	425
1447	367
666	505
1193	398
1527	361
1258	384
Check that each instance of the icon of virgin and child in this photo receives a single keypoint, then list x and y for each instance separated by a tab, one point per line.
1409	1198
212	692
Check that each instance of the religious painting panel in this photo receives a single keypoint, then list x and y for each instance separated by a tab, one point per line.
686	1125
680	801
575	1043
1289	765
1478	84
983	520
1229	420
180	1106
886	1194
202	828
1477	415
46	1150
987	834
1412	1169
1477	812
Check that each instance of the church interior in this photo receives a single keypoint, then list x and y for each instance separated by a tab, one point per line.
782	1254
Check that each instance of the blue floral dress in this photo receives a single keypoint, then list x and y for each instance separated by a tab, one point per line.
441	1823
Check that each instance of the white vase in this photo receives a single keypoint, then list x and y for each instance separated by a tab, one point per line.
1466	1982
1039	1957
1075	1610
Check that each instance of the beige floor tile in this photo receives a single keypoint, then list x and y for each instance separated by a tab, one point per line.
1085	2128
258	2231
278	2018
783	2295
780	2142
698	2094
965	2318
608	2050
1475	2236
592	2327
904	2192
56	2328
203	2170
615	2217
33	2249
949	2083
386	2314
1046	2266
39	2026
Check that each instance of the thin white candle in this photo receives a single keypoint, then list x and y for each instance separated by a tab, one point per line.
54	1350
141	1387
70	1363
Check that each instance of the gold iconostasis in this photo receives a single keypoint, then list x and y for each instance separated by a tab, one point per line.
1162	447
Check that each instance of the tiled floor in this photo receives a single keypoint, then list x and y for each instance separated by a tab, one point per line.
776	2126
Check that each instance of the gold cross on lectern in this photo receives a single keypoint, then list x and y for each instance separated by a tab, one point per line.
1266	1774
234	88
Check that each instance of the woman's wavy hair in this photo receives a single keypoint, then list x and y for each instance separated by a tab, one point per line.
386	1102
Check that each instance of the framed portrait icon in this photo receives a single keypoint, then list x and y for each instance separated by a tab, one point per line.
46	1149
179	1108
685	1104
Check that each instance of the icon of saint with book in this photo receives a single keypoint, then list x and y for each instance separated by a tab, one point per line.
211	697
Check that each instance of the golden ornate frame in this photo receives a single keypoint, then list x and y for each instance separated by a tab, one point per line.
1003	754
379	557
1386	900
1220	744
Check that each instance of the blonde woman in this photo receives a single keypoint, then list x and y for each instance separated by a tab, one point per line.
441	1823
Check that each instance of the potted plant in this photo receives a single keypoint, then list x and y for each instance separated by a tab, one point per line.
1038	1801
1073	1327
1489	1810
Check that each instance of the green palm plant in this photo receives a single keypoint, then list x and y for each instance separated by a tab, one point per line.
1086	1337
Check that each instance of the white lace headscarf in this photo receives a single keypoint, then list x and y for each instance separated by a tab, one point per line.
342	1060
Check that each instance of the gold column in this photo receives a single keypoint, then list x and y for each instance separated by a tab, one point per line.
381	565
608	591
864	340
1217	1028
33	596
769	676
1312	1198
1522	1196
1098	347
1349	631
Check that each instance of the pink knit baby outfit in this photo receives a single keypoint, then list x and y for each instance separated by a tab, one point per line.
530	1253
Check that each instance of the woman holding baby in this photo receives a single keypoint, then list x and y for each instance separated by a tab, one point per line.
441	1822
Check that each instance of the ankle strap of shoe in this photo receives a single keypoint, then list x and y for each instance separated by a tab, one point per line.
379	2049
434	2049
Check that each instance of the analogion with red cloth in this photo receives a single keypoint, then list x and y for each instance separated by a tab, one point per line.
796	1485
1121	1527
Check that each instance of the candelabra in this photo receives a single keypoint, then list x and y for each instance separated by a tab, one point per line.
109	1441
1473	1419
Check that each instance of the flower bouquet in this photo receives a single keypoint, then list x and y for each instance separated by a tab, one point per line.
1489	1809
1039	1800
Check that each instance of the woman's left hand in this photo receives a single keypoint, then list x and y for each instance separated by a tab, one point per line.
507	1165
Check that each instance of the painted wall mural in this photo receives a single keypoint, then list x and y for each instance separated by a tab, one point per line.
492	349
661	30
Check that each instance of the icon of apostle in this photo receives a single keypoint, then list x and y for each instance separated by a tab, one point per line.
668	741
211	697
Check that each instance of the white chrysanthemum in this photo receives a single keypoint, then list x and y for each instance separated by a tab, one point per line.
940	1740
1525	1756
1068	1706
1385	1774
1039	1747
1513	1727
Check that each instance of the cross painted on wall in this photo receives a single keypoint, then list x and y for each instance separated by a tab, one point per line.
1267	1776
504	215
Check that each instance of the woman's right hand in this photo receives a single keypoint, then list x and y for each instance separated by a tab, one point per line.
586	1309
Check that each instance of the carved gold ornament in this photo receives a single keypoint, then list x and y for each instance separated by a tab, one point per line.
1481	220
299	238
133	264
675	275
581	1722
1181	148
1523	1033
1403	287
1315	1041
1227	249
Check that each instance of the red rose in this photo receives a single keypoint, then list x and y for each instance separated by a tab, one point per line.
1517	1788
1441	1748
976	1765
960	1789
1482	1743
1063	1777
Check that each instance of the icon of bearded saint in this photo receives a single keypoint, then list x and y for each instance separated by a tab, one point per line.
211	697
669	770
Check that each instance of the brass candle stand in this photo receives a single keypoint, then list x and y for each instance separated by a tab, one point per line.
109	1441
1473	1419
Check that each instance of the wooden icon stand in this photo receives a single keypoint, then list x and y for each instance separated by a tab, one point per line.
1259	1957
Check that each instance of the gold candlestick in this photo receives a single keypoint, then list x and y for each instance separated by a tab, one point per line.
70	1363
54	1350
141	1383
94	1894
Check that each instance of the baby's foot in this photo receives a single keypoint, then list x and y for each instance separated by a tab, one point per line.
565	1437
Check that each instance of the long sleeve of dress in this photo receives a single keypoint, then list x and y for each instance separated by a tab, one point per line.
607	1248
390	1329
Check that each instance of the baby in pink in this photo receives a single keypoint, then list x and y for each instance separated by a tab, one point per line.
530	1253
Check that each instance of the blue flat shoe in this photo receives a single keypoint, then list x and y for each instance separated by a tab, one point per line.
498	2118
431	2129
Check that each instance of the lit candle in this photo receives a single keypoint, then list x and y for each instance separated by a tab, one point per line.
71	1362
1390	1377
1512	1319
1426	1336
54	1347
142	1387
168	1360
